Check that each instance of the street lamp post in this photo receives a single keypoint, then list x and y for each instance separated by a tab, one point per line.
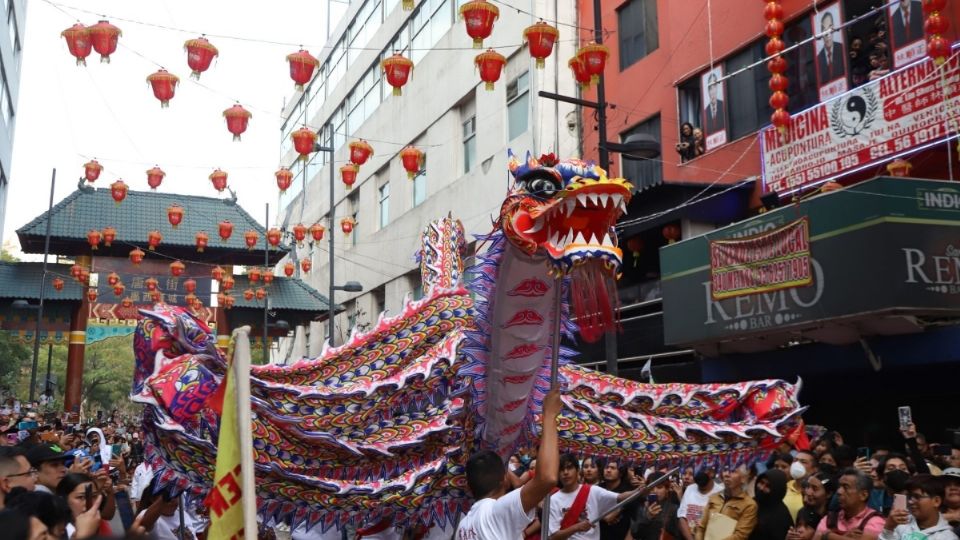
43	290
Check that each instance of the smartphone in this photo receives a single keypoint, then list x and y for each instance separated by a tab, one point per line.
115	449
652	498
906	417
27	424
863	452
88	493
97	463
899	501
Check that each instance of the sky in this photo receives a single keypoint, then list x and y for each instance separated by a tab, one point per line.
68	114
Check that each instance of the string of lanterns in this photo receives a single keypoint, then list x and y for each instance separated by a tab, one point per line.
780	118
935	25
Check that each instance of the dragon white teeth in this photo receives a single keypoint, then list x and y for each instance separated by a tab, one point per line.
593	239
603	199
554	238
579	239
582	199
606	241
592	197
617	199
571	205
536	227
569	238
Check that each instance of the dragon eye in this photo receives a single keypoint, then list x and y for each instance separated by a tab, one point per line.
543	187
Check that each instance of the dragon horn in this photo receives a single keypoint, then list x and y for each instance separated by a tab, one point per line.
512	162
532	161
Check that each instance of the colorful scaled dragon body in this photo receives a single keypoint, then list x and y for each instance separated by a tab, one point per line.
383	425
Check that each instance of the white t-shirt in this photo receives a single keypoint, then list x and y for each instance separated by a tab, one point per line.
599	502
141	479
166	527
301	533
693	502
496	519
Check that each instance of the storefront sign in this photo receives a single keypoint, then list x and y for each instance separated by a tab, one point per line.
866	126
779	259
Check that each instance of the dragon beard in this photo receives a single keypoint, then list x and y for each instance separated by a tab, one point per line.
593	293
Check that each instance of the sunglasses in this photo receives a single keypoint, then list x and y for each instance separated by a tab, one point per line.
31	472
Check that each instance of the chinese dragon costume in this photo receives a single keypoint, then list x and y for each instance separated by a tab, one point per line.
383	425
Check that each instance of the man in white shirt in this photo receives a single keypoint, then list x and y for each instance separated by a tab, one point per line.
498	515
142	476
576	505
694	500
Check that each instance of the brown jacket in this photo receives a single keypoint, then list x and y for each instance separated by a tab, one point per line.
741	508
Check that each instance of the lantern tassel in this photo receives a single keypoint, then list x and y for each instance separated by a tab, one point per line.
199	250
236	138
540	63
104	59
489	86
478	43
298	87
82	62
164	104
195	75
408	5
397	91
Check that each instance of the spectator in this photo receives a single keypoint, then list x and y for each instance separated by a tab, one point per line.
52	511
924	497
590	471
656	519
828	458
879	64
804	464
18	526
859	62
732	503
686	147
954	460
159	517
818	490
49	461
806	525
141	478
855	518
575	506
694	500
15	471
700	145
951	499
773	517
614	526
781	462
86	521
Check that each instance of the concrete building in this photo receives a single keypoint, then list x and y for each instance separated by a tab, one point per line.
14	12
463	129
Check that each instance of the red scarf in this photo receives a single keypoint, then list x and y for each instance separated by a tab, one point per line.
576	509
378	527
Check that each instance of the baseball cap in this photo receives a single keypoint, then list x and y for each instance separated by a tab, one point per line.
952	471
42	453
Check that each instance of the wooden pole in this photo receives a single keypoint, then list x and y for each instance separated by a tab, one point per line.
554	370
241	363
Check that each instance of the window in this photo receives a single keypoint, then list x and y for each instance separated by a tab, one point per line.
688	98
420	184
518	105
383	201
643	173
637	28
469	143
6	105
747	93
432	19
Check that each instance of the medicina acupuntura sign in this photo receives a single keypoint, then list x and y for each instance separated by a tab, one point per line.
868	125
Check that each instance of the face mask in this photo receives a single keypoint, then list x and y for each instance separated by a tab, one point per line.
797	470
701	479
525	460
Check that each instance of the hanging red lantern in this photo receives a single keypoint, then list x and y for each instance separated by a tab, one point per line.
177	268
153	240
261	293
118	289
593	56
671	233
75	271
113	279
237	120
479	16
57	284
91	170
85	277
303	141
248	295
490	64
222	299
200	54
299	232
273	237
175	215
226	230
284	179
348	173
109	235
267	277
360	152
780	120
540	38
151	283
155	177
93	238
164	85
104	37
288	269
251	237
156	297
190	285
412	160
91	295
201	239
306	265
228	301
217	273
580	73
227	283
126	303
302	65
347	224
78	42
938	49
253	274
635	245
219	180
899	167
190	299
136	256
316	231
397	69
779	99
118	190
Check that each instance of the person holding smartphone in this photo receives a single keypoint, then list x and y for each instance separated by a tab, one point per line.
921	518
83	499
657	517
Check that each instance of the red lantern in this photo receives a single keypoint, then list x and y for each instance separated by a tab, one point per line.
347	224
177	268
85	276
780	119
540	38
104	37
126	303
778	83
938	49
248	295
593	56
933	6
273	237
190	285
57	284
109	235
774	46
155	177
302	65
227	283
75	271
164	86
156	297
93	238
348	173
136	256
175	215
899	167
237	119
635	245
777	65
251	237
91	170
261	294
580	73
479	16
228	301
217	273
118	289
316	231
671	233
226	230
306	265
151	284
190	299
200	53
412	160
267	277
219	180
201	239
397	70
299	232
936	24
360	152
490	64
303	141
779	100
153	240
91	295
78	42
113	279
284	179
253	274
118	190
774	28
222	299
288	269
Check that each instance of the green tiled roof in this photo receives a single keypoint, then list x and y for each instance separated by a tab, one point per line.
285	293
22	281
137	215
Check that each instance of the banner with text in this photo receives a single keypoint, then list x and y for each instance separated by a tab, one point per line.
867	125
770	261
